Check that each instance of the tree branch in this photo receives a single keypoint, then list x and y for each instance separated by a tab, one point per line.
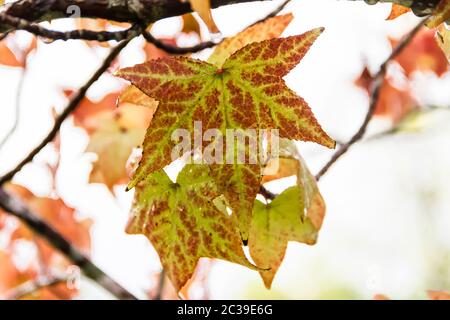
12	205
33	286
145	11
22	24
374	97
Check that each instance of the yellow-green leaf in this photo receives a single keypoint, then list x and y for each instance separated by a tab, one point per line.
295	215
182	222
247	92
273	225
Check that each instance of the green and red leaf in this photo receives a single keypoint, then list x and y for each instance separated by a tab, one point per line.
247	92
182	222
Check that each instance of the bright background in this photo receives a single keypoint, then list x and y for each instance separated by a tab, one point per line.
388	200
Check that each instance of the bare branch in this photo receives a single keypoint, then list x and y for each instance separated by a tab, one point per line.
374	97
144	11
174	49
33	286
22	24
15	207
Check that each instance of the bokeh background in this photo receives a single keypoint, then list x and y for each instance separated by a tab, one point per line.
387	226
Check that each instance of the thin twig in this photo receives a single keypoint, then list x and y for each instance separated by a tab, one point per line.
273	13
207	44
73	104
175	49
161	282
374	97
32	286
101	36
15	207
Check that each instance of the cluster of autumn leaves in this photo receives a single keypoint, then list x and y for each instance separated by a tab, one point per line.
429	51
190	218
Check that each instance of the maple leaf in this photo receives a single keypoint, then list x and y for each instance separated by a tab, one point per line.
273	225
396	11
114	132
118	132
247	92
440	14
422	54
265	30
288	162
134	96
183	224
294	215
86	115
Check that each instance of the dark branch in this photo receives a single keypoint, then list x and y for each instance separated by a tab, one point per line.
266	193
145	11
374	98
174	49
14	206
22	24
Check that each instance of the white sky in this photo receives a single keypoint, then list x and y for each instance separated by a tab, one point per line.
387	224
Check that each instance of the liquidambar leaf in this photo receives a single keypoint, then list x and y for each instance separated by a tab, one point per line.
273	225
118	132
268	29
295	215
133	95
182	222
247	92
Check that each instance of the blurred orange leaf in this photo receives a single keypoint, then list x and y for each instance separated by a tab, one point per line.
203	8
393	102
422	54
190	24
438	295
115	137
